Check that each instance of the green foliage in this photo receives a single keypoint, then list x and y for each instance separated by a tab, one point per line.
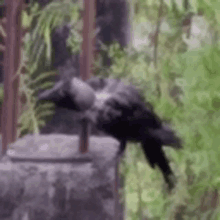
32	116
37	48
74	41
53	15
196	118
190	99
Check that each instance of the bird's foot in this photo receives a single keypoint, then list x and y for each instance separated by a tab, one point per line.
171	182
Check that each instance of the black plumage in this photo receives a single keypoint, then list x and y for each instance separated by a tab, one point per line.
119	110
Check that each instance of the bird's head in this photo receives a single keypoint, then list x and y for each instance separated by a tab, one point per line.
73	94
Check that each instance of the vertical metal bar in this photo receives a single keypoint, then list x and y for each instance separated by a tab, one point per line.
86	61
88	39
11	61
2	49
118	185
84	136
17	60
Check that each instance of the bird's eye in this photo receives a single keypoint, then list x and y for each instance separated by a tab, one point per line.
61	92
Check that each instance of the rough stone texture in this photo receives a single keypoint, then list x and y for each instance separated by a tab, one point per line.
45	177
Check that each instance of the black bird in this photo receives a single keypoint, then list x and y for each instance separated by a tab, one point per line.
119	110
71	94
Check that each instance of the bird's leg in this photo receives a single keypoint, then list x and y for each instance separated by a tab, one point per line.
171	181
122	147
85	129
168	174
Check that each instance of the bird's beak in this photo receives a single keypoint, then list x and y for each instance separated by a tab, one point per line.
52	94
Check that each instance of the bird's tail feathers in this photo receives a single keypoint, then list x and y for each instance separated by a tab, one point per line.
155	156
167	137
